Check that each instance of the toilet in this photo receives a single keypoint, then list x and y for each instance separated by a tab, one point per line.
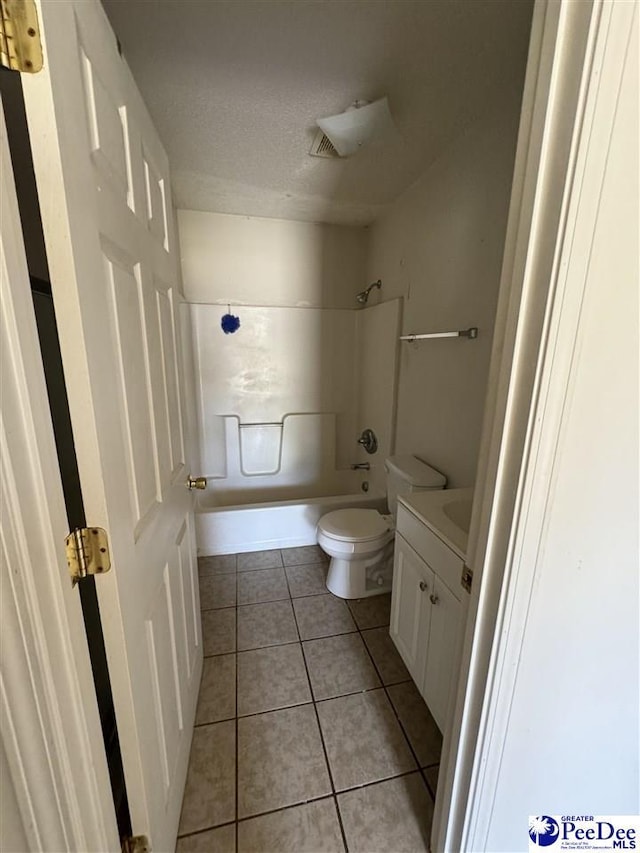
360	541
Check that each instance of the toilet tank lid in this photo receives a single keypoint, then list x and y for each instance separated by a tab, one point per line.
415	472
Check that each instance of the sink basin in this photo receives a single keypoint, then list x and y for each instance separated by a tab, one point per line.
446	512
459	511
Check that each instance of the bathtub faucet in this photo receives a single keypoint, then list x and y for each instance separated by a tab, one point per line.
360	466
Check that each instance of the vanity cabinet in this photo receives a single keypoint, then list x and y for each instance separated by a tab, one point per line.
427	610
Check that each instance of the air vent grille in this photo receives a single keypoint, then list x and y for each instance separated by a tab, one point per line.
322	147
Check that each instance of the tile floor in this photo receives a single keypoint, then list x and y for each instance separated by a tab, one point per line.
309	735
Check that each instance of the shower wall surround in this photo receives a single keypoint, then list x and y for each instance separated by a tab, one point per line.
280	402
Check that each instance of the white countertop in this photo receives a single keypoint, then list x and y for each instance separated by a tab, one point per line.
429	508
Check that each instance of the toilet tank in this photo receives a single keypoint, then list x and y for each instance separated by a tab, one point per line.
407	474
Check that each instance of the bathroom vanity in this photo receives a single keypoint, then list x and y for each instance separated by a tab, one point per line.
429	603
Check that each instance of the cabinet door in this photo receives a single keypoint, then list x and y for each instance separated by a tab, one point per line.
444	632
413	582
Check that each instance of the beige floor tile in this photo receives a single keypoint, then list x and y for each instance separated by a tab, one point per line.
322	616
220	564
220	840
217	591
219	631
210	793
371	612
310	828
391	816
431	775
339	665
265	585
306	554
269	624
363	739
385	656
255	560
421	729
307	580
271	678
280	760
217	699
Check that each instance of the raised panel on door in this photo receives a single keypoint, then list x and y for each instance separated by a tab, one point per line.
444	631
103	183
409	627
135	402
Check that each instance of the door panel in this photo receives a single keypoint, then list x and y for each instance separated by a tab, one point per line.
444	636
103	184
410	612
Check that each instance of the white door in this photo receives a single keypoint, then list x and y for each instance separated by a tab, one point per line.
103	186
54	782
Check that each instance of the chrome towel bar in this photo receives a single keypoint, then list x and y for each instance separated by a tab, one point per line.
463	333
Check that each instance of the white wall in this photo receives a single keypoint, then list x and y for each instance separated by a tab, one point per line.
440	246
245	260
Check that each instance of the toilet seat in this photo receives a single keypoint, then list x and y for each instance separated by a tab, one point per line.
355	525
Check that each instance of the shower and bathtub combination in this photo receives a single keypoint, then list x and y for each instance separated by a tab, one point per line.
280	407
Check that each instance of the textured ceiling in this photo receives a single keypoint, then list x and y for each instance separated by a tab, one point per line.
235	87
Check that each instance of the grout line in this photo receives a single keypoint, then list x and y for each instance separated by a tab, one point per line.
274	710
256	603
254	648
379	781
212	609
312	701
328	636
287	807
324	746
330	796
393	707
340	823
197	832
432	794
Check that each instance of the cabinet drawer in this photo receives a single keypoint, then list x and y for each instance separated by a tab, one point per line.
446	564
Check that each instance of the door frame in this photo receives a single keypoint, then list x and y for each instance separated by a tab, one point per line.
51	732
564	75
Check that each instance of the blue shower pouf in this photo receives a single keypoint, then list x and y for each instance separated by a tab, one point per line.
230	324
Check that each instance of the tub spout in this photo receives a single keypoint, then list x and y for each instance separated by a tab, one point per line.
360	466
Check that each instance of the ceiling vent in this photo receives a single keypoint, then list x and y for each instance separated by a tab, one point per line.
322	147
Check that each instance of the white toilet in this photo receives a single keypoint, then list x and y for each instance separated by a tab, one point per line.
360	541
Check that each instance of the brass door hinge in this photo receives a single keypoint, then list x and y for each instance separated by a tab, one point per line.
87	553
20	45
467	578
136	844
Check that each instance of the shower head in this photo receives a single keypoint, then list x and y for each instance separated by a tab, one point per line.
363	296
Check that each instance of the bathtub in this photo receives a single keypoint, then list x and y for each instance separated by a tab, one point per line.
275	524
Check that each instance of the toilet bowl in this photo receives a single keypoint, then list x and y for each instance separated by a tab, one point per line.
357	540
360	541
